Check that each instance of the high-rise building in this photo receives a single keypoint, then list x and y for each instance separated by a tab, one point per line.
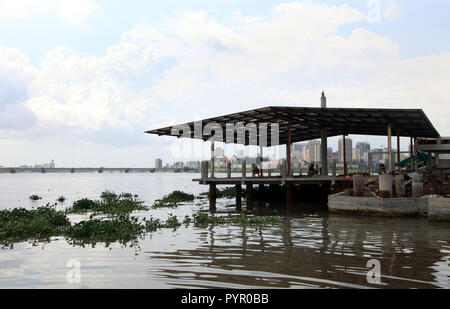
298	150
299	147
218	153
355	155
329	152
363	154
348	149
377	155
313	151
158	164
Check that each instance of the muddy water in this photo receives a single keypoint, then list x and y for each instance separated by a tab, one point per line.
309	247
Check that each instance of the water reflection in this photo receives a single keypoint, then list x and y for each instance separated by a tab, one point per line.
308	248
313	250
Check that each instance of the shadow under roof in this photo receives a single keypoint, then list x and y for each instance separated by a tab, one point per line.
307	122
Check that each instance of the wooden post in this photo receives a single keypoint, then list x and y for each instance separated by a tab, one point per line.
345	156
212	197
244	169
411	150
228	170
288	150
333	165
399	186
261	155
417	186
289	195
212	158
324	152
390	167
249	195
238	197
283	168
416	159
399	168
204	170
358	185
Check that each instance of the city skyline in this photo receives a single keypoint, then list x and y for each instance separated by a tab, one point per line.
300	150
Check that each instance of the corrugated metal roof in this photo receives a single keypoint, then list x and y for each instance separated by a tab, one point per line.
307	122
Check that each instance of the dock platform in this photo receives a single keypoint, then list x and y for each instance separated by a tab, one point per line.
274	180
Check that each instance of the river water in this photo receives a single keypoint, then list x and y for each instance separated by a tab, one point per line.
308	248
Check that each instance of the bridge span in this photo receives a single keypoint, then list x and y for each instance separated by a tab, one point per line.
13	170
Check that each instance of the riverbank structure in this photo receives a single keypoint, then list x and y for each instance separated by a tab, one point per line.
286	125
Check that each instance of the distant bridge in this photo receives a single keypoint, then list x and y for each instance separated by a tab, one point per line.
73	170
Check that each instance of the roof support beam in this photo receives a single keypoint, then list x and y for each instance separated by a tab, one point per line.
391	166
344	149
324	152
288	150
398	152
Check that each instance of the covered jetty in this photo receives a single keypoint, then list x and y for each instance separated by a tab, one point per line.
286	125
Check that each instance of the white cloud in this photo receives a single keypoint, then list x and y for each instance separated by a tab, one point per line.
74	12
392	11
191	64
16	76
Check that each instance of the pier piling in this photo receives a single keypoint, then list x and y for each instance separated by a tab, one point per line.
386	186
212	197
417	186
358	185
249	196
238	197
399	186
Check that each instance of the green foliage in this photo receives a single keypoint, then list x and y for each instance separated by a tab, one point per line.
61	199
109	203
121	229
152	225
172	222
35	197
202	220
173	200
20	224
187	220
45	222
82	205
227	192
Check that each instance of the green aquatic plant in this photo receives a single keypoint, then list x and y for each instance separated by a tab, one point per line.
172	222
173	200
203	219
21	224
187	220
152	225
35	197
121	229
109	203
61	199
227	192
82	205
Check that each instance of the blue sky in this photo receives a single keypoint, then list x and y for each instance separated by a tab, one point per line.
422	30
81	80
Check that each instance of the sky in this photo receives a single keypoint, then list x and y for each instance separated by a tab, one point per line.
80	81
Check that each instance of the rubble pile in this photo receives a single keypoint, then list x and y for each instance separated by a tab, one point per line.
436	182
